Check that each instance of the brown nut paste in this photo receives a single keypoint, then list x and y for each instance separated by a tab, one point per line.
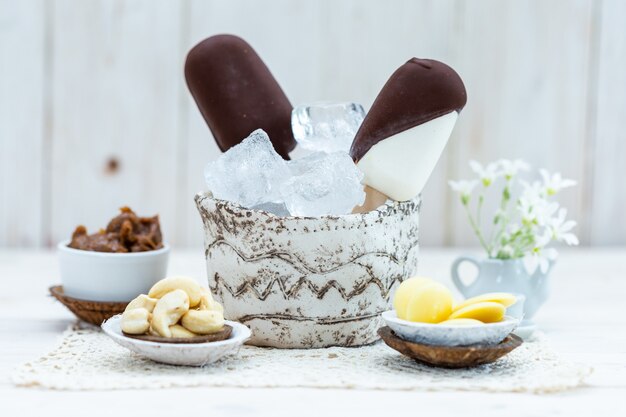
125	233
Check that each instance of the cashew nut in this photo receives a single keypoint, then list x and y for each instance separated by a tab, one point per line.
203	321
168	310
136	321
179	331
143	301
208	303
153	332
189	285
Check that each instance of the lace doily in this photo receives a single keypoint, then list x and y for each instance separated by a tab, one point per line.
87	360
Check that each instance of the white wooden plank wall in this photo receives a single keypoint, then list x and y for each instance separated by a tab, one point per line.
608	166
94	112
23	119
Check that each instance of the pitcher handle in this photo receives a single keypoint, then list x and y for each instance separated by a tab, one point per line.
456	279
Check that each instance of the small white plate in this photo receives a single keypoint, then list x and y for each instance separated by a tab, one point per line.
191	354
450	334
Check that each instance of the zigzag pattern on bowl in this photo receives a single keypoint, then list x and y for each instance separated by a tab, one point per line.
296	262
303	283
301	267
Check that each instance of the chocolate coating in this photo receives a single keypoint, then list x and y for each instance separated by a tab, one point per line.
237	94
419	91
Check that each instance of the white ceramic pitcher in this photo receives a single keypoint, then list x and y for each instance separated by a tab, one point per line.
496	275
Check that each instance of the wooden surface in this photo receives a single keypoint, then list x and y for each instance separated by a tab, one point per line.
95	114
584	320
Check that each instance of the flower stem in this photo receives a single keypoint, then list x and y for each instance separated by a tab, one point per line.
479	206
503	216
477	231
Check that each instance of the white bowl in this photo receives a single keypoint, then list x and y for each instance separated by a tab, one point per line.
191	354
103	276
450	334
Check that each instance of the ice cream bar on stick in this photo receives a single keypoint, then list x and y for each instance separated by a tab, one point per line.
405	131
237	94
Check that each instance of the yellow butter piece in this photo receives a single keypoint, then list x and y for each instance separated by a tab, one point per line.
486	311
405	291
504	298
462	322
429	303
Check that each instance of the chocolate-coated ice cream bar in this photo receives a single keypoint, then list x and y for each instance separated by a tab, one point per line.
405	131
237	94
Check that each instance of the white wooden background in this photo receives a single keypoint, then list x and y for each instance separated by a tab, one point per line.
84	83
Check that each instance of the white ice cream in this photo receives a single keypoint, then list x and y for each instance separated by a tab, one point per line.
400	165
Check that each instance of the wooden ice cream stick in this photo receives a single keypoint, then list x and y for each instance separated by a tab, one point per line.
373	200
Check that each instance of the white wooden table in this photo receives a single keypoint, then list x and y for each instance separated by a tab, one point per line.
585	319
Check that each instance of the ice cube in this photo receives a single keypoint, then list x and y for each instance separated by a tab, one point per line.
249	173
326	127
276	208
323	183
253	175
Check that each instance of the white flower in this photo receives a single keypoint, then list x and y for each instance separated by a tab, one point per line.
526	229
540	256
464	188
526	210
486	174
554	183
513	228
560	228
511	168
535	211
545	210
533	205
532	192
507	251
541	240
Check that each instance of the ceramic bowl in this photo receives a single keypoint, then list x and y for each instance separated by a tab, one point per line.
450	335
308	282
102	276
191	354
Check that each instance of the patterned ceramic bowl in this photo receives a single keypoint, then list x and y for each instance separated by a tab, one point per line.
304	282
